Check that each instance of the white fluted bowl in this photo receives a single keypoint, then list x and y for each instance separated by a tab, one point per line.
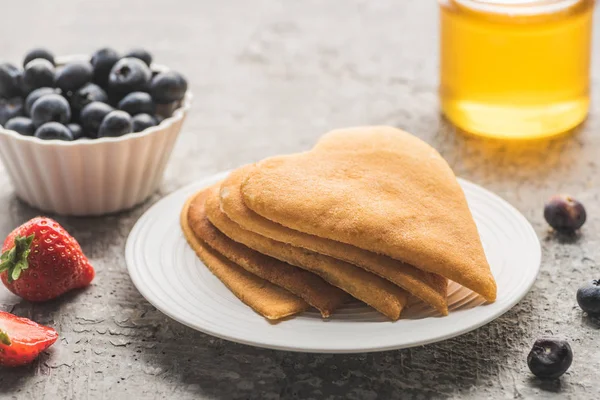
91	176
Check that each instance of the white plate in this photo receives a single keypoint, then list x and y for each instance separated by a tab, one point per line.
170	276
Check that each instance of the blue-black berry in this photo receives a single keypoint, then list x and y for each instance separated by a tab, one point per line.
51	107
38	73
102	62
137	103
129	75
168	87
588	297
85	95
36	94
91	117
38	53
550	358
76	131
53	131
11	81
142	122
116	123
564	213
10	108
142	54
22	125
74	75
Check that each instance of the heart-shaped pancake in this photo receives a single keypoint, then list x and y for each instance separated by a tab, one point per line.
379	189
431	288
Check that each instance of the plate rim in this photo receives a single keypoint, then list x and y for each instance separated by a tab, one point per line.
209	179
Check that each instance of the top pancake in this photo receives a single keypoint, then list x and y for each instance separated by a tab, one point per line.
379	189
431	288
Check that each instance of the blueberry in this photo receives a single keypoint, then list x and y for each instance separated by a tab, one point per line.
76	131
36	94
137	103
588	297
10	108
11	81
564	213
142	54
550	358
85	95
143	121
53	131
117	123
38	53
166	110
22	125
91	117
74	75
102	61
38	73
168	87
129	75
51	107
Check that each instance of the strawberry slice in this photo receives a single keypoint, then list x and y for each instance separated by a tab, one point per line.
22	340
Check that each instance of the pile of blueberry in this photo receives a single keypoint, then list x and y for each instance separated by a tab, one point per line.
108	96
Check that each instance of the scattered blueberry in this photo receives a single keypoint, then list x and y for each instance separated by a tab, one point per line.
51	107
102	62
76	131
142	54
564	213
137	103
85	95
53	131
38	73
168	87
36	94
550	358
91	117
38	53
117	123
588	297
10	81
129	75
10	108
22	125
74	75
142	122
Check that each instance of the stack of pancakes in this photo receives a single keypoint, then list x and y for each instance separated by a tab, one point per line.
370	213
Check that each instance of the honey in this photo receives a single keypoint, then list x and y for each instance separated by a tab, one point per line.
515	69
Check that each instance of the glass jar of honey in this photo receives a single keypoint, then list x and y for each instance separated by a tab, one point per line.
515	68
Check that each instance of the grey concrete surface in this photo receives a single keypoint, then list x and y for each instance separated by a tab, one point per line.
269	77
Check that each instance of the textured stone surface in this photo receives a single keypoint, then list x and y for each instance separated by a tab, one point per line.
270	77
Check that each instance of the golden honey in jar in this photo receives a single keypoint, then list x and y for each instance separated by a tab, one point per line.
515	68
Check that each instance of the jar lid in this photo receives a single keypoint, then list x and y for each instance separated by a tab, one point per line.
518	7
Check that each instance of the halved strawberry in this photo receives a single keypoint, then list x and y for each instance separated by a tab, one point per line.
22	340
41	261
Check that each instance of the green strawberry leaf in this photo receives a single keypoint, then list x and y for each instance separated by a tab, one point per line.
15	273
4	339
7	259
15	260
